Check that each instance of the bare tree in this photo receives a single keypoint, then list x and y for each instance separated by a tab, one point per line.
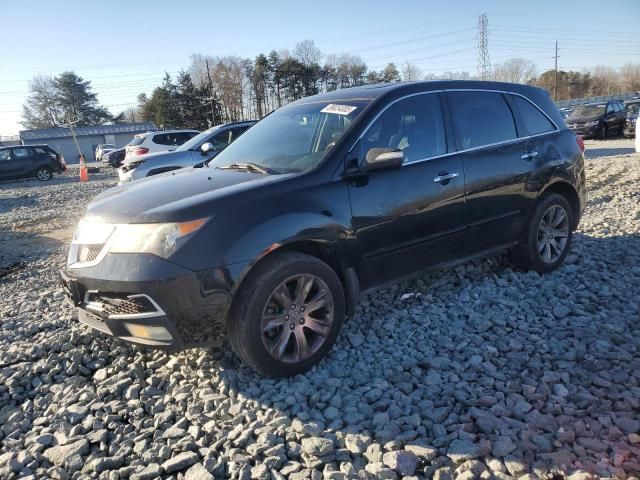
630	77
515	70
411	73
41	109
604	81
307	52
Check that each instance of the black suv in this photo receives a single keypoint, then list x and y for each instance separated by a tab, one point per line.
327	197
25	161
597	120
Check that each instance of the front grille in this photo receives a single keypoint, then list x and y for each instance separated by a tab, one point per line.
88	253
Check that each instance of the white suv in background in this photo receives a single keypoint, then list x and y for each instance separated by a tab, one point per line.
150	142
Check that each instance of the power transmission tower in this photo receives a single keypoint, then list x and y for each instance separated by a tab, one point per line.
555	82
484	64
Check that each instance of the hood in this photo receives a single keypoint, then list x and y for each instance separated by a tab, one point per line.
572	120
180	195
153	156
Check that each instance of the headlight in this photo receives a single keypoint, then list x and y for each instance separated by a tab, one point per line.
160	239
592	123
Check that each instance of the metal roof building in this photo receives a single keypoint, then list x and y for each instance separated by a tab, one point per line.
89	138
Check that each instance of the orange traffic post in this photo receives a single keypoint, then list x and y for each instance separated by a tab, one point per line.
84	174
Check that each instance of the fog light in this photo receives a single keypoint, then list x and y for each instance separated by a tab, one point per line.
149	332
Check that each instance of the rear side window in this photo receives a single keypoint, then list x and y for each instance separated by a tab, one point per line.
21	152
172	139
413	125
5	154
534	120
183	137
236	132
481	118
136	141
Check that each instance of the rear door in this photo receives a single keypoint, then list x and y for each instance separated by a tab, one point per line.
412	218
496	168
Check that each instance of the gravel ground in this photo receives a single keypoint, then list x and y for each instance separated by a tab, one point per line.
479	372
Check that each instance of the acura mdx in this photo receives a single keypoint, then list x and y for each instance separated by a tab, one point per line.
332	195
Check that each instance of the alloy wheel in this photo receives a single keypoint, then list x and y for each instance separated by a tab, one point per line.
553	234
43	174
297	318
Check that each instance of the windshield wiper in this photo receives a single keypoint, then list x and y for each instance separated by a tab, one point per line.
245	166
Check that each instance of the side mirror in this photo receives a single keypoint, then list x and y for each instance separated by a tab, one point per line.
382	159
206	148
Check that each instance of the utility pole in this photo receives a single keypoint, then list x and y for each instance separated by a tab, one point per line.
213	115
484	64
555	83
70	122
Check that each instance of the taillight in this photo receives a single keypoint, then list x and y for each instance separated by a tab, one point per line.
580	142
140	151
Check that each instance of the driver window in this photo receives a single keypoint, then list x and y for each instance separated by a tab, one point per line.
220	140
413	125
610	108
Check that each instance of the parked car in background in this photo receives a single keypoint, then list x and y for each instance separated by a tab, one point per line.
158	141
199	149
114	157
597	120
565	111
326	197
631	108
102	149
24	161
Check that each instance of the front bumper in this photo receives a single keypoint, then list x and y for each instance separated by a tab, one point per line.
629	130
149	301
584	130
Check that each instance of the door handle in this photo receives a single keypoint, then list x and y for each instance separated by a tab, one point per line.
444	177
529	155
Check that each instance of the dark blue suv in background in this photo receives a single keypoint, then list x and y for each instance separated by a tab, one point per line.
25	161
273	240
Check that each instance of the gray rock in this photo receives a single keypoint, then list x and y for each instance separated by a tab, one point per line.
317	446
180	462
502	446
149	472
198	472
462	450
59	455
403	462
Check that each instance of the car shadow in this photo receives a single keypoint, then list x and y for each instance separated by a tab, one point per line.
596	153
540	379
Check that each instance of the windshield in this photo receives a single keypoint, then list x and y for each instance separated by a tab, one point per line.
588	111
294	138
194	142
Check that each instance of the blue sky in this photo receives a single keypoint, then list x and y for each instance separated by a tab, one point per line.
124	47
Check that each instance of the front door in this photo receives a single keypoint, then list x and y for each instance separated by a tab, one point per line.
25	163
412	218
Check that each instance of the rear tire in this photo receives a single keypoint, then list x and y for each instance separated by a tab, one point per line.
268	327
547	239
44	174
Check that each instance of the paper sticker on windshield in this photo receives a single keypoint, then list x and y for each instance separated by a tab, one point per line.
338	109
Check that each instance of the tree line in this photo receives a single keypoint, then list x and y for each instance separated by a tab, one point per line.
214	90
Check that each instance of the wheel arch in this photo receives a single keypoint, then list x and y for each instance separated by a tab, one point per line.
569	192
322	250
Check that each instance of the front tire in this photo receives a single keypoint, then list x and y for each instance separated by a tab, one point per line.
603	132
548	236
286	314
44	174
